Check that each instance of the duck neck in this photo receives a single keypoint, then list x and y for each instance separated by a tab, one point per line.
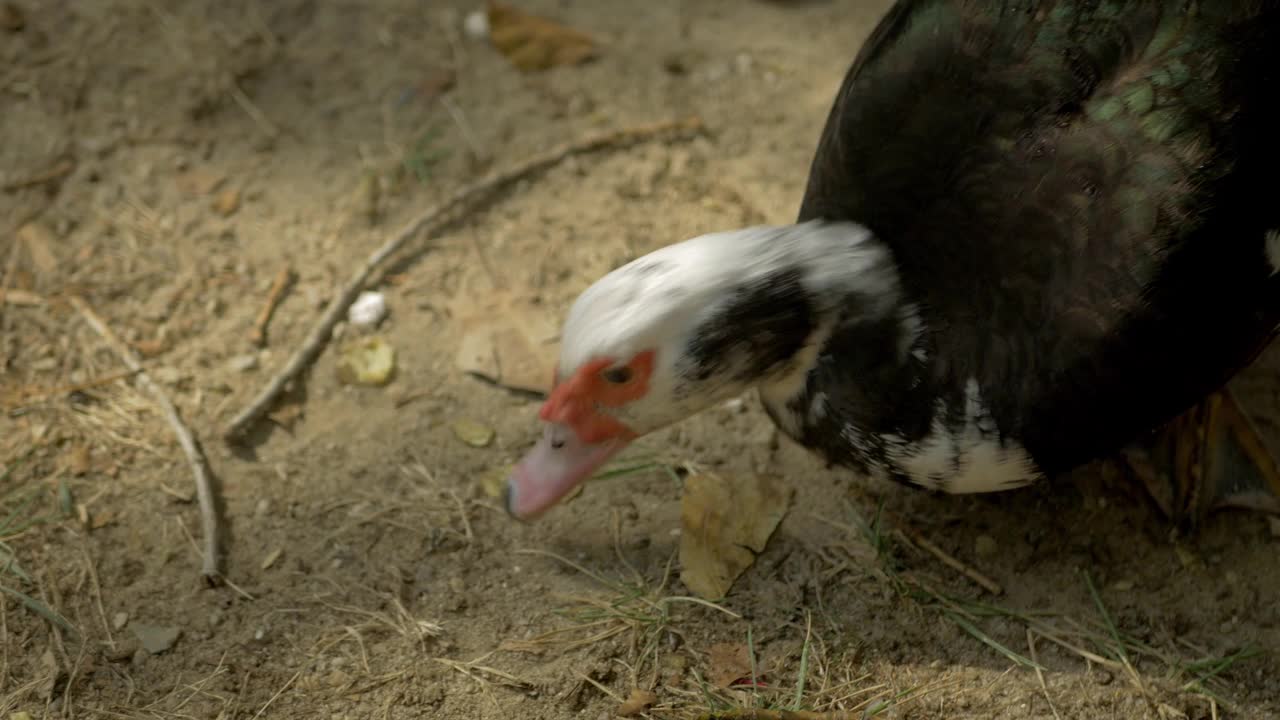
771	298
835	347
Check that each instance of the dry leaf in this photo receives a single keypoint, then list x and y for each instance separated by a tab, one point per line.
505	342
726	523
638	702
366	361
533	43
473	433
40	241
728	663
80	461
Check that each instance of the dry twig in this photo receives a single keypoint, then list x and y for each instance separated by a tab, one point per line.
991	585
433	218
1044	687
259	333
190	446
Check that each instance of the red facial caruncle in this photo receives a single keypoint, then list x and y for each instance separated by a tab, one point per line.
601	383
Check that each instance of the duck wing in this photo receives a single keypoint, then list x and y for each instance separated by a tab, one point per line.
1077	195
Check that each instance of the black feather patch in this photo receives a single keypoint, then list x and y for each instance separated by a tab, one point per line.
763	324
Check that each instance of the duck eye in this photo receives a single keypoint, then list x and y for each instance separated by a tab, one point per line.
618	375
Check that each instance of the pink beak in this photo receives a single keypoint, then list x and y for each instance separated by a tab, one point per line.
553	467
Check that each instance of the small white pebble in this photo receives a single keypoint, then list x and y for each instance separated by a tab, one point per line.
368	309
733	405
243	363
476	25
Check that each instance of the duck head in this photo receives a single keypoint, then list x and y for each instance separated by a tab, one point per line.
683	329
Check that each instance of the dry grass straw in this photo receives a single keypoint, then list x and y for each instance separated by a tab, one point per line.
1098	641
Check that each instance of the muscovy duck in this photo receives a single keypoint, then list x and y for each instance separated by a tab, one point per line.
1034	234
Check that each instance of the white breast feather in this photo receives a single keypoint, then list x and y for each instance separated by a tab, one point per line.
986	462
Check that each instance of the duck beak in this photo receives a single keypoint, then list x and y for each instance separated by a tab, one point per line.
557	464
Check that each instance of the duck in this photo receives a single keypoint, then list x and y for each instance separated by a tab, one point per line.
1033	235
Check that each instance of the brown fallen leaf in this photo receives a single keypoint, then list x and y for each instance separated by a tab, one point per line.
505	342
79	462
533	43
725	524
728	663
637	702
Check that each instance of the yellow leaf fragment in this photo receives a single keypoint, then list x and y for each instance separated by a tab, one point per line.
726	523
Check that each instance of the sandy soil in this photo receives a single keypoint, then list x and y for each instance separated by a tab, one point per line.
176	156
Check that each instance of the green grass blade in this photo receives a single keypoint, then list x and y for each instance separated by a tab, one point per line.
40	609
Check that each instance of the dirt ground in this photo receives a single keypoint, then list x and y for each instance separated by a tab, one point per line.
167	160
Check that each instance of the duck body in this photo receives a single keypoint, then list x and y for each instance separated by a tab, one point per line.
1076	197
1032	232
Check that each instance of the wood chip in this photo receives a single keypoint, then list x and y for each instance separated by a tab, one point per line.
726	523
532	43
